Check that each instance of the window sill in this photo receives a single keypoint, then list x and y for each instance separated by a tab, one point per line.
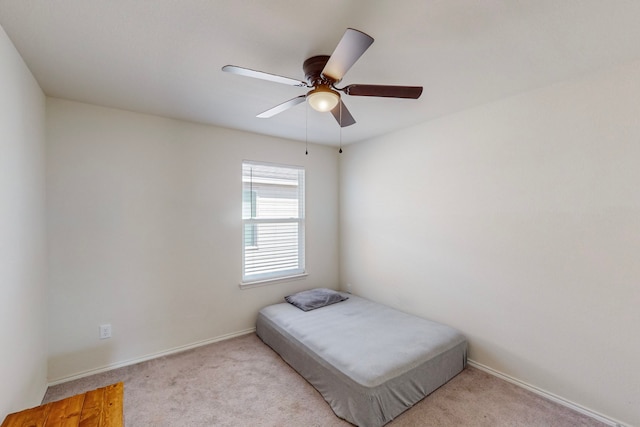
265	282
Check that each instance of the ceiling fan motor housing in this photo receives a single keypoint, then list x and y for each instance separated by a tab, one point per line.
313	67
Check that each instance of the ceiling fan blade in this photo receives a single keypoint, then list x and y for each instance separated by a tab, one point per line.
410	92
350	48
282	107
262	75
344	117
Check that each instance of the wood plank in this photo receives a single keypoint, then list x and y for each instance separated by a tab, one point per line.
97	408
34	417
92	409
112	414
66	412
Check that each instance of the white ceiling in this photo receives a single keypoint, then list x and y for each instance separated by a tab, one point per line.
164	57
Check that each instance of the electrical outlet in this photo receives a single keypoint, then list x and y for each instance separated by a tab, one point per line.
105	331
349	288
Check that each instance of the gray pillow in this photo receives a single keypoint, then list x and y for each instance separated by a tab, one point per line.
314	298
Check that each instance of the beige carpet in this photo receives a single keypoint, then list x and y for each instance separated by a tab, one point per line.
242	382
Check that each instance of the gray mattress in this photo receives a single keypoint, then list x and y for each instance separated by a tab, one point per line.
370	362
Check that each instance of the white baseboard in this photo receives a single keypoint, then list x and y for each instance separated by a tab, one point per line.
550	396
149	357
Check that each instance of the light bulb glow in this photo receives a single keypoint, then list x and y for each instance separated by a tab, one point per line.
323	99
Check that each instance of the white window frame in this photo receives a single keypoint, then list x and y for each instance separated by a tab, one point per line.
268	277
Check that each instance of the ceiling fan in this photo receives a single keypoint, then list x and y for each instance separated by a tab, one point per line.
323	72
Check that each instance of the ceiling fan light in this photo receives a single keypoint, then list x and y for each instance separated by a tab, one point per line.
323	99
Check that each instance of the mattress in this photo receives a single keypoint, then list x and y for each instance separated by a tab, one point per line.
369	361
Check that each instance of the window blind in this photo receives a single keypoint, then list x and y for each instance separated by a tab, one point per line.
273	221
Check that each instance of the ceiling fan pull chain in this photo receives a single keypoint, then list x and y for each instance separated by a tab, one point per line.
340	127
306	130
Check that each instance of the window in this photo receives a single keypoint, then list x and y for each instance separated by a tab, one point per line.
273	221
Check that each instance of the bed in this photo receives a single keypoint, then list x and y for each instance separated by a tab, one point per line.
369	361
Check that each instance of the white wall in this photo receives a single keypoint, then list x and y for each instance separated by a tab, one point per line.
517	222
22	234
145	232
